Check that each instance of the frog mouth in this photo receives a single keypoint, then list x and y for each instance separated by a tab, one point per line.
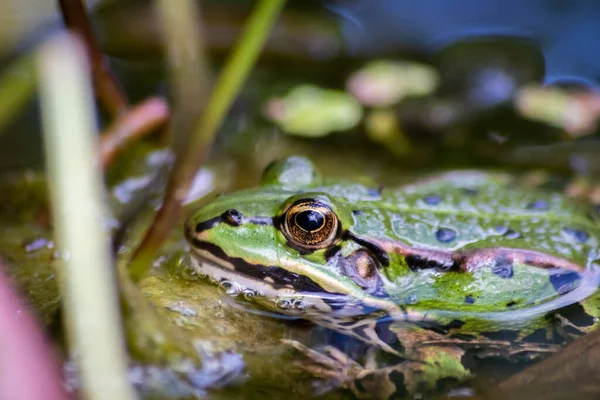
273	276
280	289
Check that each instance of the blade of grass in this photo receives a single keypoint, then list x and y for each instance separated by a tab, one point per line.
89	295
181	24
230	81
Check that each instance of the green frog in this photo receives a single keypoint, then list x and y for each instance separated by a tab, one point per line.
430	276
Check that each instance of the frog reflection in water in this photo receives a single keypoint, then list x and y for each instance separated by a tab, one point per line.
456	266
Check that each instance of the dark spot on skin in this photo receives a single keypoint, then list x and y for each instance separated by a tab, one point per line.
445	235
564	282
416	262
502	334
455	324
503	267
432	200
470	191
441	329
469	299
577	234
538	205
357	212
332	251
511	303
397	379
510	234
576	315
232	217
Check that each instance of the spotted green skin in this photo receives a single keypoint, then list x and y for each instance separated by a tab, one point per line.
450	213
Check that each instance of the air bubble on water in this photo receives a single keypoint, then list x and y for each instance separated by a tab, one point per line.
249	294
229	287
300	305
283	304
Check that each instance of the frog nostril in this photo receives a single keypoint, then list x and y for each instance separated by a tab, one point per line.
232	217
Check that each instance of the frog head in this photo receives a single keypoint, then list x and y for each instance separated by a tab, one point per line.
288	244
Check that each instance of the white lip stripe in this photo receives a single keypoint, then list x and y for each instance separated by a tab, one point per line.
221	270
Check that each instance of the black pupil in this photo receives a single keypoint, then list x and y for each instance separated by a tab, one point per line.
310	220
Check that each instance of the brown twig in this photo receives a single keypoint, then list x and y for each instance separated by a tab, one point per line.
136	122
106	86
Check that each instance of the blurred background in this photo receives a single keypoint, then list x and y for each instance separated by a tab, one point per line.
381	89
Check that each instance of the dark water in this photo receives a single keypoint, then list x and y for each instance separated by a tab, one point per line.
564	31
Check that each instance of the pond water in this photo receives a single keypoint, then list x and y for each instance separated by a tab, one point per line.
482	53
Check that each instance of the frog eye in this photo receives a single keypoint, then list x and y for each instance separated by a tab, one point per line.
310	224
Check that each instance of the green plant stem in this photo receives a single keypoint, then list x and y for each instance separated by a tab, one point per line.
90	298
17	84
237	69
